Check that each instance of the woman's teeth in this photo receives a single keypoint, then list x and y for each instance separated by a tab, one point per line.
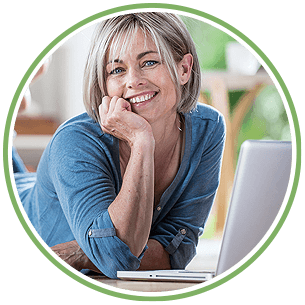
141	98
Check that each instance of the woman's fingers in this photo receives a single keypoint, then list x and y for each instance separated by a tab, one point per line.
122	105
103	111
110	111
117	119
112	105
104	106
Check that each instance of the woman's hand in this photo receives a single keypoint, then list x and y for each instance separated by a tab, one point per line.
73	255
117	119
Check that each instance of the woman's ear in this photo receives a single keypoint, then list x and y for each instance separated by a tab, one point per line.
185	68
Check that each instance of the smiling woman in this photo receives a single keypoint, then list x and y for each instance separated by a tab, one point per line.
115	37
129	184
142	78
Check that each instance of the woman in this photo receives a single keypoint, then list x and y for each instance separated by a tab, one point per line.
130	183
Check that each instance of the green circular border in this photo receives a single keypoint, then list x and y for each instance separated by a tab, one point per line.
7	162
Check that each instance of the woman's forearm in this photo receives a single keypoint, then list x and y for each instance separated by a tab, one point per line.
131	211
155	257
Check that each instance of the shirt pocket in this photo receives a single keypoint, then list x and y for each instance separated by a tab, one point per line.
176	241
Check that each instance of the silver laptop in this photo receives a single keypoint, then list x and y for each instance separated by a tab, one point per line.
260	185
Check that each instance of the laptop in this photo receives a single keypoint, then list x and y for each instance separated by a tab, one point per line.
259	188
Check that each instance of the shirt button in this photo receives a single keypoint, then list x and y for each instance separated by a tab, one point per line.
183	231
158	208
90	233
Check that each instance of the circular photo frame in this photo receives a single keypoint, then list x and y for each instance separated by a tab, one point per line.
178	294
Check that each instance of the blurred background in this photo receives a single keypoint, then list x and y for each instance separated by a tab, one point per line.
233	81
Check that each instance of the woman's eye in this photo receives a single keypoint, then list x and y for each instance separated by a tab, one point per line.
150	63
116	71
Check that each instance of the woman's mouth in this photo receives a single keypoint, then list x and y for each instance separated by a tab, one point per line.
142	98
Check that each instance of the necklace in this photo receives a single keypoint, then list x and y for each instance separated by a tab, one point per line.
180	122
180	125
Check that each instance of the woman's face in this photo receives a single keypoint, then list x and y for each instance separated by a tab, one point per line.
142	78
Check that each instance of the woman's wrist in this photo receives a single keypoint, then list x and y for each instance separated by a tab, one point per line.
145	141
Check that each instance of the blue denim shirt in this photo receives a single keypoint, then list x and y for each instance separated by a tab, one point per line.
79	176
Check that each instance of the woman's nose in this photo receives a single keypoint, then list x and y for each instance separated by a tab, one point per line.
134	78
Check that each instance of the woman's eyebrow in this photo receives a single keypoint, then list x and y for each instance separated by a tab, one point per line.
145	53
139	56
115	60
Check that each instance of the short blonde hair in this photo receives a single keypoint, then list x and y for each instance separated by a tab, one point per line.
172	40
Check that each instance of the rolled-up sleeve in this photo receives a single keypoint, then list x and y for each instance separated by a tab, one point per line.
181	228
83	174
107	251
178	231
